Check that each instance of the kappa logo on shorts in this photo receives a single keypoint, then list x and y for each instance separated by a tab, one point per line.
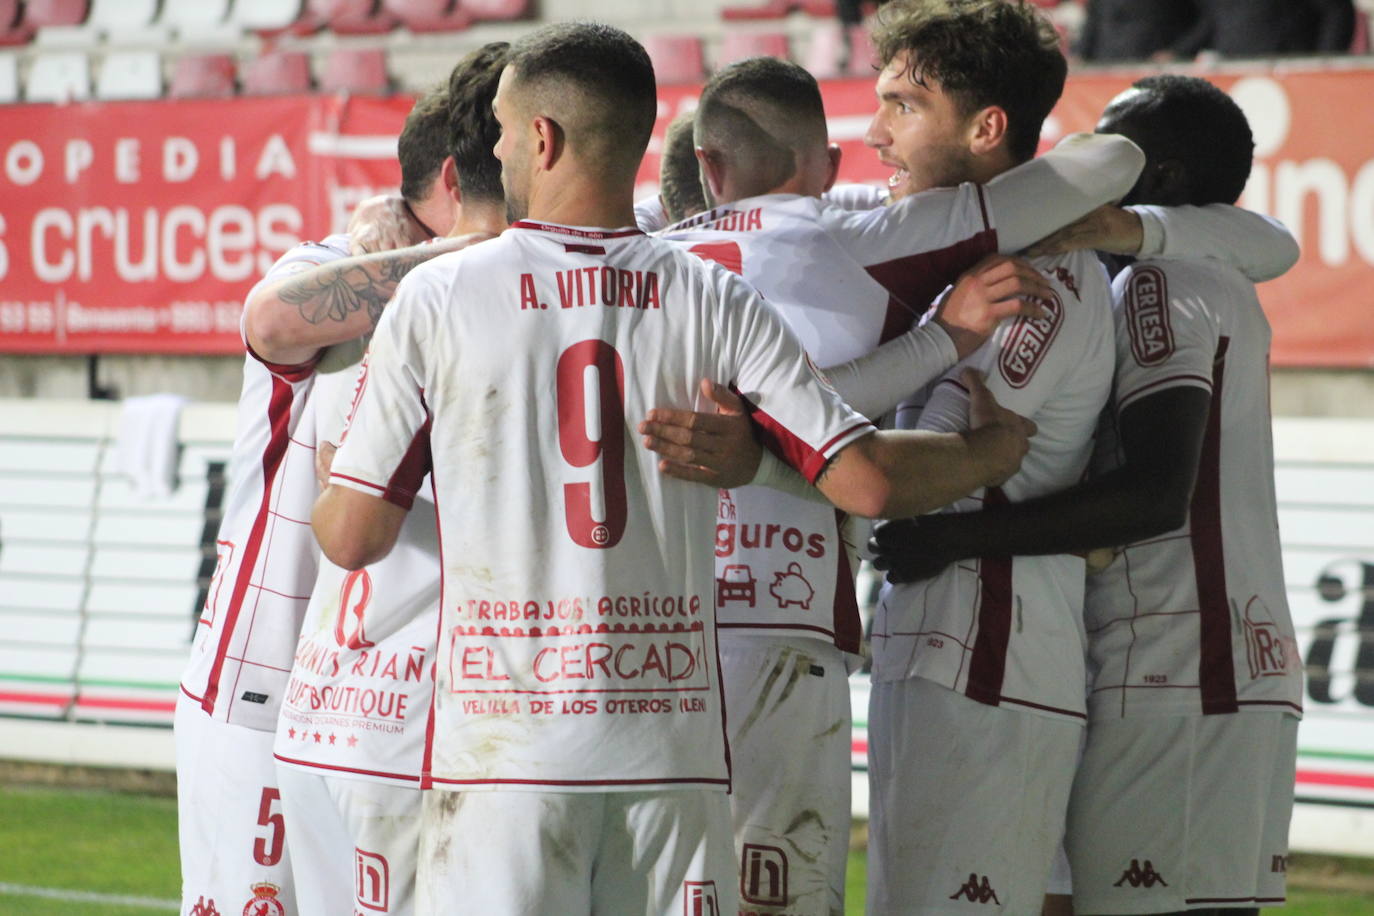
202	908
699	899
1137	876
374	881
976	891
1147	317
1025	347
264	902
763	875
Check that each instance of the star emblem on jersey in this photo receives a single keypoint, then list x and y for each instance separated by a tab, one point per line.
976	890
1138	876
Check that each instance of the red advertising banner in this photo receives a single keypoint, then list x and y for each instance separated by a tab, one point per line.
140	226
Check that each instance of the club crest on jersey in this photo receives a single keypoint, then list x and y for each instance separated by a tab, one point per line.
1030	338
1147	317
264	902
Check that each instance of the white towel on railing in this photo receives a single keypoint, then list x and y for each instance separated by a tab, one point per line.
146	449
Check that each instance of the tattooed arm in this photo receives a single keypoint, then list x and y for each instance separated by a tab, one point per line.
290	320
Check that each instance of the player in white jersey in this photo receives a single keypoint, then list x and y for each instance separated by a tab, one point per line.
1183	796
577	716
232	835
350	740
845	282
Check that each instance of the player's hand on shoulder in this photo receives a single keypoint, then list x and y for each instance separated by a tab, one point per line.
324	460
1108	228
996	288
998	437
717	449
383	223
908	549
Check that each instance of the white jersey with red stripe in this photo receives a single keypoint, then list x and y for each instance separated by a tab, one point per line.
845	282
1003	630
267	556
577	639
358	700
1196	621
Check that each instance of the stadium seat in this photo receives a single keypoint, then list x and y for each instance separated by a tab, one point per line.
202	76
9	78
13	29
352	17
771	9
276	73
360	70
126	75
267	15
739	45
429	15
121	15
488	10
59	76
676	58
44	13
196	20
821	9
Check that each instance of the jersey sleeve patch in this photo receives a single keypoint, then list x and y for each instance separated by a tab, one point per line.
1030	338
1147	317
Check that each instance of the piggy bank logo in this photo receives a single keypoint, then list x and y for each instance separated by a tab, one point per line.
790	587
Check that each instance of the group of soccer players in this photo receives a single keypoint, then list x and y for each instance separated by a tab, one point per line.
511	670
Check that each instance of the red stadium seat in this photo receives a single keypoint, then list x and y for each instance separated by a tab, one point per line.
1360	43
43	13
276	73
202	76
429	15
676	58
13	29
821	9
771	9
361	70
486	10
352	17
739	45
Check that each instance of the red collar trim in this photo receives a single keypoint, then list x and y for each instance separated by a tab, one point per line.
574	231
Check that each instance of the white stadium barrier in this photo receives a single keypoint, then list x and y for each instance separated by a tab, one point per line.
99	588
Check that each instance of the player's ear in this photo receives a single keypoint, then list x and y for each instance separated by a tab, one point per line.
987	130
712	172
835	154
448	174
550	142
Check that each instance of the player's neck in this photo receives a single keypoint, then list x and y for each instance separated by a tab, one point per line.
584	201
481	217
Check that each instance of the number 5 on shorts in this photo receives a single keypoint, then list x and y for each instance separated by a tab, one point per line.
267	850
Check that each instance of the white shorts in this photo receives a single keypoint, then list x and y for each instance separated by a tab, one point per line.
788	718
574	854
229	818
354	843
966	801
1183	812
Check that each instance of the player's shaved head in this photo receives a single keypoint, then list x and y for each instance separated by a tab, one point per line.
473	130
679	176
764	116
1197	142
596	83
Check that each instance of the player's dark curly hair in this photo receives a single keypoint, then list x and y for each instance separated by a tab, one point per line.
473	129
423	144
981	52
597	83
1191	121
